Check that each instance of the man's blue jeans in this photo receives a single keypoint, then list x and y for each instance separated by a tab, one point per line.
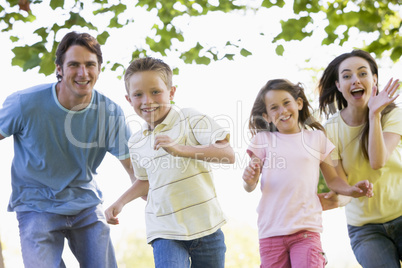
377	245
208	251
42	238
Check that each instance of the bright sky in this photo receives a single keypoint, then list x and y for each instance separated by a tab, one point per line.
225	90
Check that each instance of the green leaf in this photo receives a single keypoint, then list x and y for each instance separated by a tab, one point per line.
117	10
13	3
103	37
101	1
279	50
192	54
229	56
14	38
203	60
292	29
56	3
245	52
396	53
114	23
116	65
10	18
47	65
76	20
269	4
42	32
306	5
138	54
27	57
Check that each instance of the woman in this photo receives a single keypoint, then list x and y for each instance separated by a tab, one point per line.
366	128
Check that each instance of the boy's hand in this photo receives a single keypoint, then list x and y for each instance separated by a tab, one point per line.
251	174
168	144
111	213
362	188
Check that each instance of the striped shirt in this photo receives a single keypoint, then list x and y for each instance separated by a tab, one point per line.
182	203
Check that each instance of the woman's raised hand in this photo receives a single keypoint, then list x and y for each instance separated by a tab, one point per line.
379	101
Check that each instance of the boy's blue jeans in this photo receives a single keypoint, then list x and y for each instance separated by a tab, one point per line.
377	245
208	251
42	238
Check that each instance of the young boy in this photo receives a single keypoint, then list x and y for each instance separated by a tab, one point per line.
169	156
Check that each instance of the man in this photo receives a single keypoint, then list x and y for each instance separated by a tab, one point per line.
62	132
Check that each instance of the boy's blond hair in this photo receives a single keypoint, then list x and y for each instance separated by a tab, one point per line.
149	64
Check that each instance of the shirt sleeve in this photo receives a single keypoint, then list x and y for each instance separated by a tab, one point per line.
327	147
139	172
11	119
393	121
332	132
258	146
206	130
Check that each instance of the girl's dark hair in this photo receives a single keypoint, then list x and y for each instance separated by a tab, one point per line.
79	39
332	100
257	123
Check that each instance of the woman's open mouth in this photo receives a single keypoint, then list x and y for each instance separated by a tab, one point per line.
357	93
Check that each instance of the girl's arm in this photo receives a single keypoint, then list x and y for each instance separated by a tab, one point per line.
252	174
381	144
138	189
219	152
331	199
340	186
343	199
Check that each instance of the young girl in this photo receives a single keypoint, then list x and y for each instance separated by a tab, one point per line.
366	128
170	158
289	156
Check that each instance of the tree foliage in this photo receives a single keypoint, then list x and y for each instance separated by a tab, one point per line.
379	17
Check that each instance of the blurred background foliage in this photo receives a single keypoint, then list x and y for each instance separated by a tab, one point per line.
167	34
241	241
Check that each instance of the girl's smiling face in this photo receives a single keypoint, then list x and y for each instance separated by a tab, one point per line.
283	111
356	81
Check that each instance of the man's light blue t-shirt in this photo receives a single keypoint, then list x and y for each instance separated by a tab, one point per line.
57	151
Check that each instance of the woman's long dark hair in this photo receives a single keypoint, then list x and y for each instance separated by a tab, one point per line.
332	100
257	123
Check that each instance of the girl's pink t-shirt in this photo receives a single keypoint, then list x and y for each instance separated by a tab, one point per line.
289	179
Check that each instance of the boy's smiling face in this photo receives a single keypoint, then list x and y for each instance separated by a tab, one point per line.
150	97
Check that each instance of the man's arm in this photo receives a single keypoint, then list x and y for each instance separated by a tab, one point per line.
1	137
